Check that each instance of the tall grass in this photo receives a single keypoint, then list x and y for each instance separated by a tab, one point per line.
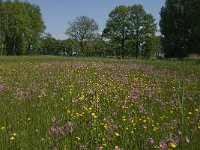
79	103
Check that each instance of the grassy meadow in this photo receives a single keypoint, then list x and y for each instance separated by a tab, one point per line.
60	103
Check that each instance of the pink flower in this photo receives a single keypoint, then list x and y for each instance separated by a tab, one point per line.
150	141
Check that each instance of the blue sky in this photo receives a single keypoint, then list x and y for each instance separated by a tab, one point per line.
57	14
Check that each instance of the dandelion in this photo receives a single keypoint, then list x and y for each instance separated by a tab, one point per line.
190	113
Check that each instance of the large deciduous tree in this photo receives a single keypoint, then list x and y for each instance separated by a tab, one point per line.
131	25
20	26
143	29
118	27
82	29
180	27
1	28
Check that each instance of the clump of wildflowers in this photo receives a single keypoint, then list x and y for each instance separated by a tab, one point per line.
59	131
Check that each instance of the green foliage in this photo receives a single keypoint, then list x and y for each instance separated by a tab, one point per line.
143	31
81	30
96	47
49	45
118	27
180	27
130	28
21	25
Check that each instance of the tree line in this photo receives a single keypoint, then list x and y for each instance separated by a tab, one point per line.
129	32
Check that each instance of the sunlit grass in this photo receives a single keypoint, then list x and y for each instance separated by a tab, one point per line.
77	103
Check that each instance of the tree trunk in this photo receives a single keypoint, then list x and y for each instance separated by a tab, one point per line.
137	44
123	49
82	47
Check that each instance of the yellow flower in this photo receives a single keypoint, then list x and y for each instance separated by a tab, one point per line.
116	147
94	115
198	127
132	132
14	134
2	128
12	138
144	127
189	113
155	128
116	133
78	138
173	145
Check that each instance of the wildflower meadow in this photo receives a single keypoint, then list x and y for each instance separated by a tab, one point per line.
61	103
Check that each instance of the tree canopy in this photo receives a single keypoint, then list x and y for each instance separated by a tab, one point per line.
20	26
82	29
180	27
131	25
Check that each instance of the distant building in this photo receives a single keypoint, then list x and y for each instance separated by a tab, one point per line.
74	53
63	53
160	55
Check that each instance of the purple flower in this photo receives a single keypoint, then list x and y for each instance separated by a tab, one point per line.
134	98
150	141
58	131
163	145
